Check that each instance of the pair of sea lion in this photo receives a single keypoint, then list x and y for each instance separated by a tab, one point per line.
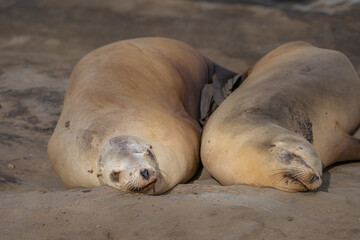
129	118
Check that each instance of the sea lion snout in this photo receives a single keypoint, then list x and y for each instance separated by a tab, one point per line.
145	174
128	164
312	182
300	181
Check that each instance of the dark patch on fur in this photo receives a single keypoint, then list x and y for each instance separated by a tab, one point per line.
303	126
287	157
150	153
278	109
86	137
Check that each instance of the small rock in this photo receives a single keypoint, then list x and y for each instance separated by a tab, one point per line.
290	218
11	166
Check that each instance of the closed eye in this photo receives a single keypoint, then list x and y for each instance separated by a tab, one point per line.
114	176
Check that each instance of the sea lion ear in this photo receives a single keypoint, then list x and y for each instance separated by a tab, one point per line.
222	82
245	74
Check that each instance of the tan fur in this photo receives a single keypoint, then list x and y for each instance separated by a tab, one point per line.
148	88
297	107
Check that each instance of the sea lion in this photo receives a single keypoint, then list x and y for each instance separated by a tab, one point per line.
128	118
290	118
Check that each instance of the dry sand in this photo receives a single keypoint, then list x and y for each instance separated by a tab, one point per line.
40	41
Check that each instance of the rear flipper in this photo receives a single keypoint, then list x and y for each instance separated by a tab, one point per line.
351	147
222	83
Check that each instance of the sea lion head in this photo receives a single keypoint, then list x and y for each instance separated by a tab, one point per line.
127	163
295	164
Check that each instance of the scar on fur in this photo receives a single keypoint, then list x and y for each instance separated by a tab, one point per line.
67	124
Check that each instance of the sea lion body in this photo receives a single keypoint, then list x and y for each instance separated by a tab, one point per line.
290	118
135	100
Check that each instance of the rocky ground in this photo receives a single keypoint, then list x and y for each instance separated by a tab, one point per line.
40	42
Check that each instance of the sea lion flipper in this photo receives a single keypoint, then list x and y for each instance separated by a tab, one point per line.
223	80
222	83
206	101
351	148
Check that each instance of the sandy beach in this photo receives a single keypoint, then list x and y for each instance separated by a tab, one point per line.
41	41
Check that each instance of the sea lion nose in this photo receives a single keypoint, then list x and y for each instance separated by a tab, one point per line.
145	174
314	178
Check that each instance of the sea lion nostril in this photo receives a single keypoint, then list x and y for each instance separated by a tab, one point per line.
145	174
314	178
